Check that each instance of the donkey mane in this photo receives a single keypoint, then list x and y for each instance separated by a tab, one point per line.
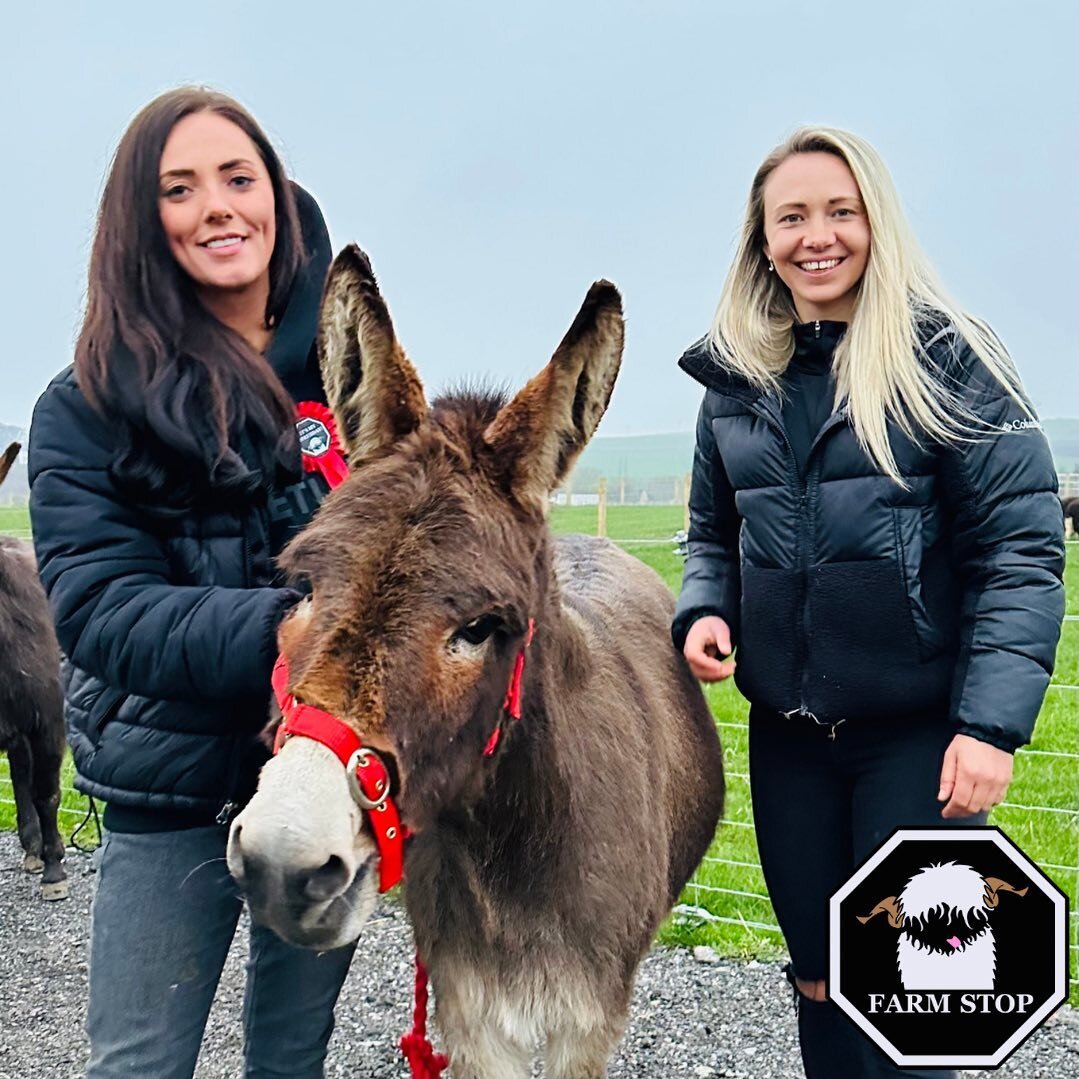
475	402
462	414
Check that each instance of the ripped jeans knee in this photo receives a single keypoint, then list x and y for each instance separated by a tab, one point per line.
814	989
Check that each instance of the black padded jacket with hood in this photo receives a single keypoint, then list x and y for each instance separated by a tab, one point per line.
853	598
168	622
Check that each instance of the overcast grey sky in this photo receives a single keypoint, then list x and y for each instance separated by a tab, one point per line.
494	159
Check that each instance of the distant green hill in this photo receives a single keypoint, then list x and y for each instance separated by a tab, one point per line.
640	457
633	465
1063	435
642	460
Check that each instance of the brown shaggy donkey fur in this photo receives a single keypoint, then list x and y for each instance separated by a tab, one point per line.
1070	506
31	707
537	876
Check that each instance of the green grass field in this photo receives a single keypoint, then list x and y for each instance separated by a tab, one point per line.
1041	813
14	521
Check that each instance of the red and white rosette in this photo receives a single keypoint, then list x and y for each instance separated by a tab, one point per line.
320	447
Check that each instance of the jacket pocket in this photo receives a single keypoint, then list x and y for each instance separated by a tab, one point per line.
104	711
911	557
863	653
768	649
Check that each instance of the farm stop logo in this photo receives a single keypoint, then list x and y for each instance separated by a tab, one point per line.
948	947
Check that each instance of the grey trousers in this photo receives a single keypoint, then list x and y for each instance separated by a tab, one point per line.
163	918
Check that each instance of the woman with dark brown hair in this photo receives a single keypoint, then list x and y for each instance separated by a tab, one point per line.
166	474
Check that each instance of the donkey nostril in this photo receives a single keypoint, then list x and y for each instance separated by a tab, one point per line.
327	881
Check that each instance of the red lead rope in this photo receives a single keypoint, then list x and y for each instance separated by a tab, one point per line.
423	1061
370	786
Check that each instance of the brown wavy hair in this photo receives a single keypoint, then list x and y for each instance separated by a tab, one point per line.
198	411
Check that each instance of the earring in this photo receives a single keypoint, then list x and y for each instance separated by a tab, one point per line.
771	265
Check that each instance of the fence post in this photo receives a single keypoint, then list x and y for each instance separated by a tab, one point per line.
686	483
601	508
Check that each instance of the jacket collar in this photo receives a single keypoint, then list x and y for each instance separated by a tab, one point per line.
805	333
700	363
291	353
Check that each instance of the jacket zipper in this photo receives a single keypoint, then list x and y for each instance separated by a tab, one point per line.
807	509
805	489
107	715
246	551
808	514
803	558
228	810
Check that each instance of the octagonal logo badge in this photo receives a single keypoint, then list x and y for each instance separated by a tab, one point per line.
314	436
948	947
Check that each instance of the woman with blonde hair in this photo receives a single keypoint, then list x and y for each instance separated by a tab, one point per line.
875	543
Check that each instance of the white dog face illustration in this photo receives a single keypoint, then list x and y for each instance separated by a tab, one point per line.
945	939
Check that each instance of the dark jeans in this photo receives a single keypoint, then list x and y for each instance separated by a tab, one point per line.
164	914
821	806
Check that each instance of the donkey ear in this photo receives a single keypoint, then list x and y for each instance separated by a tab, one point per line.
8	459
374	392
538	435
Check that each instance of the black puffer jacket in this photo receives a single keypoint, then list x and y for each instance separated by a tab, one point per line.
168	622
853	599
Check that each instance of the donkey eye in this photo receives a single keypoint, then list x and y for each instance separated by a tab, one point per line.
478	630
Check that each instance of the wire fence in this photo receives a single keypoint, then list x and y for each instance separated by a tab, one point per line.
1030	816
81	819
77	817
586	486
697	888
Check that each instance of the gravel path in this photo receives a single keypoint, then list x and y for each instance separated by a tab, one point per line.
689	1019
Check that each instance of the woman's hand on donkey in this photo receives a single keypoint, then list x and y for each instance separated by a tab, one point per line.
708	649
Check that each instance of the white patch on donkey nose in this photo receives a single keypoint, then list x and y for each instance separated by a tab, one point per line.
299	849
302	806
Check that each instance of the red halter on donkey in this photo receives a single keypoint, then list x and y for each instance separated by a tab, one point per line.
538	873
367	775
